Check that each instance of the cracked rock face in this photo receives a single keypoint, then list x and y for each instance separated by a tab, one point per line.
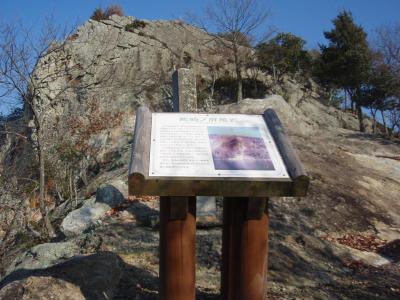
91	85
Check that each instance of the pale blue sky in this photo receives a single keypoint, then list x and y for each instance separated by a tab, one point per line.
306	18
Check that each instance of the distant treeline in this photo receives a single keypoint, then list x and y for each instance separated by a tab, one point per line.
347	66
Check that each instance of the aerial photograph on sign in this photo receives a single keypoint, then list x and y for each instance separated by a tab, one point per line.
238	148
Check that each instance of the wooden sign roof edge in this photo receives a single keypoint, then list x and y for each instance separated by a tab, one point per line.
141	184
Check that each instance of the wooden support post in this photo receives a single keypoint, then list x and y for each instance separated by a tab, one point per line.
178	216
244	248
185	100
177	248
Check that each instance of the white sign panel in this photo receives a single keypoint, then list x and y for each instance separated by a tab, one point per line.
213	145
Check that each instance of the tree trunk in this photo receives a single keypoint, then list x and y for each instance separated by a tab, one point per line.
240	87
360	117
75	192
274	72
42	204
70	186
373	114
330	96
255	90
210	100
384	122
239	78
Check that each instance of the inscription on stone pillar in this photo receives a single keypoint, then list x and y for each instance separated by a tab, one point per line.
184	91
185	100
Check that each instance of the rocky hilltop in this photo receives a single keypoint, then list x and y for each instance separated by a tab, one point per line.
342	241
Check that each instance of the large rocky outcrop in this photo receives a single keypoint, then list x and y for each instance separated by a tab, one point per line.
90	86
338	242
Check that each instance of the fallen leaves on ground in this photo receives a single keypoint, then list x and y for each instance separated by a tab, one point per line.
360	267
124	205
367	243
143	198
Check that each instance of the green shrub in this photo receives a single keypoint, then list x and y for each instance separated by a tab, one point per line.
284	54
100	14
136	24
114	9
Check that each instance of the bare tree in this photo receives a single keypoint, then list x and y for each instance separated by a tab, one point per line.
388	44
22	56
394	118
20	53
234	23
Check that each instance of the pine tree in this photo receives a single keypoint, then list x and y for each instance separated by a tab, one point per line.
346	61
284	54
379	93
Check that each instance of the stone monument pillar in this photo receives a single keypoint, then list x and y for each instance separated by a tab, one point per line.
184	91
185	100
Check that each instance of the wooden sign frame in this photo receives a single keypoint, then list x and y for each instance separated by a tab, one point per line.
244	261
140	183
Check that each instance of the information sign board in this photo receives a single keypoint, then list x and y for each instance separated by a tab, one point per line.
213	145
